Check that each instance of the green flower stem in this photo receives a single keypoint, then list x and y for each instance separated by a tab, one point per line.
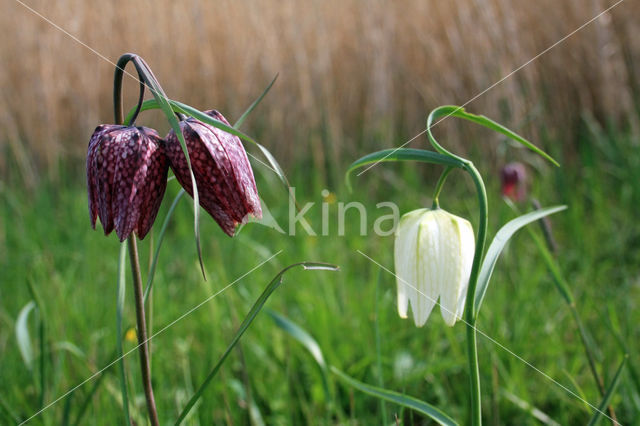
439	185
470	315
146	76
145	361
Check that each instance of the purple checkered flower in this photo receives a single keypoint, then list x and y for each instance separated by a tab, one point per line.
226	186
126	178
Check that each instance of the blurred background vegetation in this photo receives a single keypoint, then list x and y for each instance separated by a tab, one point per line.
354	76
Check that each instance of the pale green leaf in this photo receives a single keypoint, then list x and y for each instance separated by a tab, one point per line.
22	334
497	245
410	402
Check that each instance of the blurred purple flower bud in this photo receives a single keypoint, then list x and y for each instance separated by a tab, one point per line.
226	186
513	177
126	178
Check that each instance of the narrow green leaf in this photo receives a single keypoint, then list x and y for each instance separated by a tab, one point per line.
4	406
255	103
69	347
378	320
497	245
410	402
42	340
165	105
199	115
403	154
614	327
308	342
558	278
529	408
156	254
257	306
87	400
22	334
457	111
608	394
299	334
66	410
147	105
119	314
254	411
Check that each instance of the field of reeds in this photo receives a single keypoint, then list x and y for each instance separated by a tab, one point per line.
353	77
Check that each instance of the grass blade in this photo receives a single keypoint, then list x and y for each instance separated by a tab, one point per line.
456	111
383	405
614	327
22	334
257	306
422	407
608	394
119	312
87	400
308	342
156	254
529	409
255	416
42	340
497	245
255	103
4	406
402	154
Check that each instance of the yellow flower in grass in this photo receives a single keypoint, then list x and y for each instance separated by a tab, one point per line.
130	335
433	256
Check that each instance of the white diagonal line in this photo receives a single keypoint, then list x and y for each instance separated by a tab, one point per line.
263	163
492	340
97	373
554	45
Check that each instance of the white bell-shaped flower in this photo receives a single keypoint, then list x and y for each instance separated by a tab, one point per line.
433	256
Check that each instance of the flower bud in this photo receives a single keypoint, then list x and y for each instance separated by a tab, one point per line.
226	187
513	177
433	256
126	178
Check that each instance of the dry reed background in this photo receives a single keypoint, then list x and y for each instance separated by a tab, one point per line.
354	74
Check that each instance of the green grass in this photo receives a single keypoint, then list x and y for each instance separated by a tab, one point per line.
46	240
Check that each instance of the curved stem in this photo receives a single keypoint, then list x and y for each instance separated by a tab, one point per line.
146	77
470	314
142	331
439	185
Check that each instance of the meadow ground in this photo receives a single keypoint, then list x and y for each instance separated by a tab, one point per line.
47	243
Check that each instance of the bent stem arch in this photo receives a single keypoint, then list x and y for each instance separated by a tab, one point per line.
471	313
145	358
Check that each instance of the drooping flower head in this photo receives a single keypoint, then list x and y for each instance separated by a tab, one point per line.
226	186
513	177
433	256
126	178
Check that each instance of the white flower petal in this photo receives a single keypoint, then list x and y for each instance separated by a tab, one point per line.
433	257
468	247
448	259
428	268
406	260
